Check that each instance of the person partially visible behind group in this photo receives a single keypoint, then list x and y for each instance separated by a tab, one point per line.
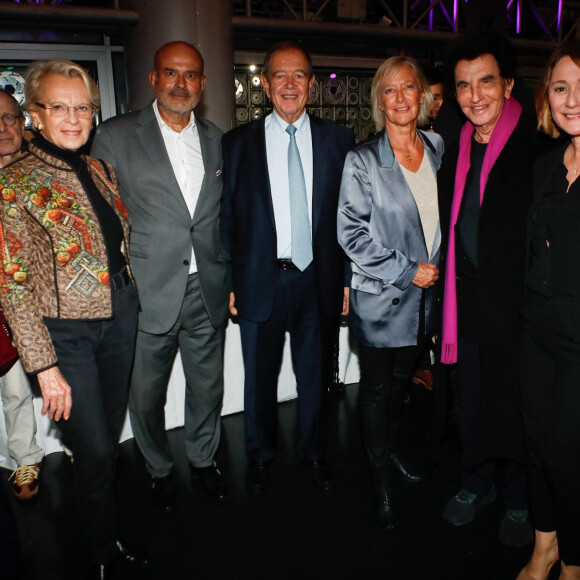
550	344
15	391
388	225
438	90
485	187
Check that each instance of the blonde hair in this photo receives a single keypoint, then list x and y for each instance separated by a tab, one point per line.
545	119
389	69
39	70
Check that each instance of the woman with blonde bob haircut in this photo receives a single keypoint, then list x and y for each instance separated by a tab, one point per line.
388	70
388	225
550	338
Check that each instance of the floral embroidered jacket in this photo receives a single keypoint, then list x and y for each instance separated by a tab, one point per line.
54	257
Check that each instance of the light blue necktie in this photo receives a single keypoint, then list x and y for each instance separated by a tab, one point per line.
299	218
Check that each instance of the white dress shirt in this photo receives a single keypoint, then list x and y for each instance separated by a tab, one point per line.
277	141
184	151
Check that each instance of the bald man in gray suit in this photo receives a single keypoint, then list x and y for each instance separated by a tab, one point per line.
168	164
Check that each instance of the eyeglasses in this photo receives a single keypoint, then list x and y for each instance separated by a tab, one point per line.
58	110
9	119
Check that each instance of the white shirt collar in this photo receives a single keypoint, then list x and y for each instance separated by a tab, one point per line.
298	124
163	124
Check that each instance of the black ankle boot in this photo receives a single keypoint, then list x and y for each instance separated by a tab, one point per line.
402	471
383	508
382	497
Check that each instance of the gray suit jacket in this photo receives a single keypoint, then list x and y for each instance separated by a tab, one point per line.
162	230
380	230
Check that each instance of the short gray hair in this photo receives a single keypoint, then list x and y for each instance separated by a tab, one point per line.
39	70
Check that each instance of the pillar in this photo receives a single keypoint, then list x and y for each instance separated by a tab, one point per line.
205	23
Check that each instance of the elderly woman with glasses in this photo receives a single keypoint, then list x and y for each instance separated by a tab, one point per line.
67	292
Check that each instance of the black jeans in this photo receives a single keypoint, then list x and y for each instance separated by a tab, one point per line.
9	544
95	357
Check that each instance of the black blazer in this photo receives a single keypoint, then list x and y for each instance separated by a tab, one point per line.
247	217
555	216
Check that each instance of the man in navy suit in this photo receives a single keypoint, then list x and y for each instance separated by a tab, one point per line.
278	220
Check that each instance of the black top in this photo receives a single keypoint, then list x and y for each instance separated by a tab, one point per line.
469	212
466	234
553	229
106	217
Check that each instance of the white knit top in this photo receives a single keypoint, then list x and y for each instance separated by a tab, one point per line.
423	186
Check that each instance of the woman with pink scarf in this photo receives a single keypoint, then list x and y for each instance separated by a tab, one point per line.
485	186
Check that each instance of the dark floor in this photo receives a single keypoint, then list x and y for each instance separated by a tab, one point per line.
293	530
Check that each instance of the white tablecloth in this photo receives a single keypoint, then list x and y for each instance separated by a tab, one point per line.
233	391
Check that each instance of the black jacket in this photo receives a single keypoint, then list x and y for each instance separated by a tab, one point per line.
501	259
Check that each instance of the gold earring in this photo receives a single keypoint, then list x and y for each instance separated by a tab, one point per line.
39	127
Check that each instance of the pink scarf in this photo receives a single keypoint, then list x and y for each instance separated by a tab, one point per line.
506	124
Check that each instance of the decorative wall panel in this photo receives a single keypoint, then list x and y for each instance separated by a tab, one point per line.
343	97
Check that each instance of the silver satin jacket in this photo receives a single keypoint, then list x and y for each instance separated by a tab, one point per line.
380	230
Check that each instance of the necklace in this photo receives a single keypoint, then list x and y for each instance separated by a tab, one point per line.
573	169
409	155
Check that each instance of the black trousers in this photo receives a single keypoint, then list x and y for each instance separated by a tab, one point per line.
550	395
385	373
479	478
95	357
296	310
9	544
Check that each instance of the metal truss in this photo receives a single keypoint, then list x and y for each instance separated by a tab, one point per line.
546	20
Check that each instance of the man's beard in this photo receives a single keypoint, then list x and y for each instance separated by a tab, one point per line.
185	107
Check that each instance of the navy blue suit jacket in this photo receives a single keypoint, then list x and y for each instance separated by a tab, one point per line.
247	217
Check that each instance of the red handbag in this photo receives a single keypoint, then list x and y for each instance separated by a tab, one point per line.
8	352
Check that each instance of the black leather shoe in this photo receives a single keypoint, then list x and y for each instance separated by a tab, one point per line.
162	493
133	554
127	561
213	481
320	473
257	476
384	509
401	471
98	572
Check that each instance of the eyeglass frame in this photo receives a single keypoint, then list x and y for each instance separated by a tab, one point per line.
14	119
76	108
